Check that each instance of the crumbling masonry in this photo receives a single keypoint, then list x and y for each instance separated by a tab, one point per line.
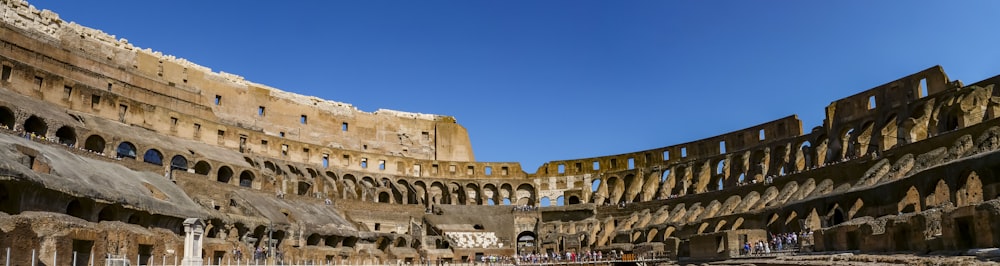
107	148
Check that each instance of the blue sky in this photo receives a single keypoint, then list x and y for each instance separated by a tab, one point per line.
535	81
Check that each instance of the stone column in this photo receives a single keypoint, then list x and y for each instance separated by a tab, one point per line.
194	229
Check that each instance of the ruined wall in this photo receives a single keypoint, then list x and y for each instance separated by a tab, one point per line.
911	162
190	93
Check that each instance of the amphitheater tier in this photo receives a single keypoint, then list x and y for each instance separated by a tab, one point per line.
108	148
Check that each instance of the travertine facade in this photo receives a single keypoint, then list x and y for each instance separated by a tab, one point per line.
108	148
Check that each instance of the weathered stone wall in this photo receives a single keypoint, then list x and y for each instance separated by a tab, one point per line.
115	145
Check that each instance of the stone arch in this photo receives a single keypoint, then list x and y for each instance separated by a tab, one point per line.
95	143
847	146
506	193
202	168
303	188
36	125
632	186
758	165
273	168
864	140
947	121
246	178
153	156
408	194
108	213
491	193
79	209
910	202
680	182
438	193
126	150
397	194
6	118
573	200
890	133
457	193
970	190
615	189
599	191
178	162
525	194
66	135
474	194
803	156
836	215
224	174
351	187
940	195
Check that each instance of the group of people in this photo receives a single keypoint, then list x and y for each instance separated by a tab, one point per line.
568	256
525	208
774	242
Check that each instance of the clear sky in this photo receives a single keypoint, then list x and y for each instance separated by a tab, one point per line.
535	81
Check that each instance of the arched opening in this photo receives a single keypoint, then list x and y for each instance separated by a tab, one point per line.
313	240
6	118
75	209
574	200
66	136
36	125
224	174
303	188
560	201
179	163
153	156
202	168
8	202
526	242
383	197
838	217
948	122
595	185
126	150
246	178
546	202
94	143
107	214
803	158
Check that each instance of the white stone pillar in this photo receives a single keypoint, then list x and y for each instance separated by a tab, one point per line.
194	230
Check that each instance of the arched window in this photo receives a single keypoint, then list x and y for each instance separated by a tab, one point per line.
545	202
94	143
225	173
6	118
179	163
126	150
202	168
36	125
66	136
595	185
246	178
560	201
153	156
